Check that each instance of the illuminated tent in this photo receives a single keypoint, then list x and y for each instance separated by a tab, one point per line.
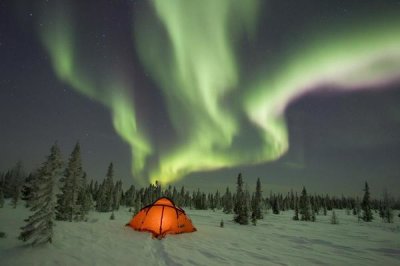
161	218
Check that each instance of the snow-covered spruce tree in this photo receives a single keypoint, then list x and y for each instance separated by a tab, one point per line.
366	205
137	203
256	204
100	197
105	196
85	202
275	205
130	196
240	209
116	195
67	204
95	191
81	200
296	210
304	206
217	199
325	209
227	201
39	227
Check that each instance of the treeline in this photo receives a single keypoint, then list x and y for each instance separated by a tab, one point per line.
62	192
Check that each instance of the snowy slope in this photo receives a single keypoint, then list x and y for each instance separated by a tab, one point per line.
276	240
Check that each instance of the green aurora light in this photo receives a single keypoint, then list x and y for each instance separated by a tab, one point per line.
113	91
190	50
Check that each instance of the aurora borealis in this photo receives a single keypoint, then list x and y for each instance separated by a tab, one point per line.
199	86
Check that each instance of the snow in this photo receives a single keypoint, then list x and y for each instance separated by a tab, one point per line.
276	240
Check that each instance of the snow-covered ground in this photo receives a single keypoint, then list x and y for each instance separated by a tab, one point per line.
276	240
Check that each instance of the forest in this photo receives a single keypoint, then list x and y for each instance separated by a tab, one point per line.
61	192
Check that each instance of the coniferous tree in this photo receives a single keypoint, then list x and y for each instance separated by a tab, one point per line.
68	208
85	201
217	199
116	195
130	196
275	205
256	206
82	200
240	208
247	208
39	227
296	210
105	196
325	209
304	206
366	205
100	198
138	204
227	201
95	190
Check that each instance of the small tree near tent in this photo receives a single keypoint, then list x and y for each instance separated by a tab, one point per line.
39	227
366	205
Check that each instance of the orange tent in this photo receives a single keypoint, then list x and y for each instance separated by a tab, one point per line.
161	218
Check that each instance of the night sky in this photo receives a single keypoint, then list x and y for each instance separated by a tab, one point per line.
193	92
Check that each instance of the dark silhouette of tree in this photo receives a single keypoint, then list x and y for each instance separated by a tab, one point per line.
367	215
